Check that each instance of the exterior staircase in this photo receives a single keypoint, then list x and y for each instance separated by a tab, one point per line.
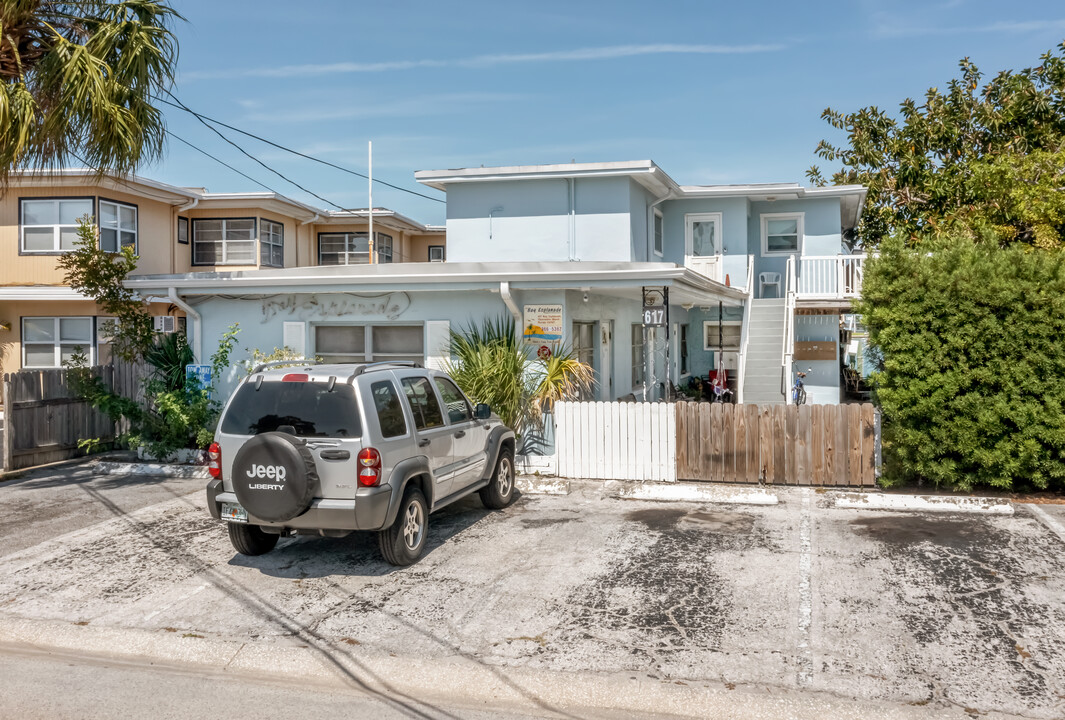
765	347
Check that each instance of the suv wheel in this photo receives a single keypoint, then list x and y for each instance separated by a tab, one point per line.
500	491
404	542
250	539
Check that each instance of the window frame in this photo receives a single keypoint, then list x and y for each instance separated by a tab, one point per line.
658	233
799	217
417	413
716	348
183	221
88	346
349	253
638	370
399	403
684	361
443	253
264	244
368	354
136	223
56	250
253	240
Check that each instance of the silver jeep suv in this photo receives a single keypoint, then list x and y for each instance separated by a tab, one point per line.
328	449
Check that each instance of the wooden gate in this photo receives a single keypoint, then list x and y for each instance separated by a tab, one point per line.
782	444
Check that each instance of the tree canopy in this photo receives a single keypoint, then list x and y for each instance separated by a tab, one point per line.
986	158
77	80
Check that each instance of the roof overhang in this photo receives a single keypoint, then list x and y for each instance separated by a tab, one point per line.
40	292
644	172
686	285
130	183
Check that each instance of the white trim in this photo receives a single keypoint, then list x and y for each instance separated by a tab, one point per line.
57	227
41	292
800	218
88	346
658	216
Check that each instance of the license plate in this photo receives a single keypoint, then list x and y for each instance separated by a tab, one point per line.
234	513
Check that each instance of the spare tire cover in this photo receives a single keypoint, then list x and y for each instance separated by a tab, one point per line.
274	476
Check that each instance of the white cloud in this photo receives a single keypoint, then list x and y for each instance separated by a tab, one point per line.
482	61
407	107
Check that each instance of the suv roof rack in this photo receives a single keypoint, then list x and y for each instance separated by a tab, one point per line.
281	363
383	365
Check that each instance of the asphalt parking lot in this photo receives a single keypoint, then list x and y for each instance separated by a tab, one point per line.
958	612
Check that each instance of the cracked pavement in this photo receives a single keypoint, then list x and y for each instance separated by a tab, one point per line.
945	612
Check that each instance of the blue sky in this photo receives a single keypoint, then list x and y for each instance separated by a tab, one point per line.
713	92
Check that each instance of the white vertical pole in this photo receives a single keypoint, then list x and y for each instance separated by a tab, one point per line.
369	181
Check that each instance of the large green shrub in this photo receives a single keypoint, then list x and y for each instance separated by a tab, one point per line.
972	337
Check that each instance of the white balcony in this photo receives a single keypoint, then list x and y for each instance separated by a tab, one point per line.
828	277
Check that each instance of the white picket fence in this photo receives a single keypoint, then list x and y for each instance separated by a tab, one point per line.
616	441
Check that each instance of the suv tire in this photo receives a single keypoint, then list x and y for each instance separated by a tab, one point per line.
500	490
250	539
404	542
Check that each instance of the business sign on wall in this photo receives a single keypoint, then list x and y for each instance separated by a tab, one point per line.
543	323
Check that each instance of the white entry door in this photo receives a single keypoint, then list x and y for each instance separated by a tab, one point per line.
703	244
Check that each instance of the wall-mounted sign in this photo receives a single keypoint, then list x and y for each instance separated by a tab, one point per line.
544	353
543	323
306	307
654	315
198	374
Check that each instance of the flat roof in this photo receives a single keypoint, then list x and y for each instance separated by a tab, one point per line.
176	195
450	276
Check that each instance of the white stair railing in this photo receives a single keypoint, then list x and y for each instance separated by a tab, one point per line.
745	333
788	350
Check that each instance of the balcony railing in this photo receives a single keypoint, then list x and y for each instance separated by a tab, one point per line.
830	277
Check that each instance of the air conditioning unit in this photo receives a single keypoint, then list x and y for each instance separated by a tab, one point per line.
164	323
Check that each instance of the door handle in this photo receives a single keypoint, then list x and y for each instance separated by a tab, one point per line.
334	454
424	442
460	434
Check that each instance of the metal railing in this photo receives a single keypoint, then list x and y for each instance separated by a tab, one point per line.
829	276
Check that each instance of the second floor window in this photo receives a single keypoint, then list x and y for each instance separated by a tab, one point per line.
659	237
781	233
352	248
223	241
51	225
118	225
272	244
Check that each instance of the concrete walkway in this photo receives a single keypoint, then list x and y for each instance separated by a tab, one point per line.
564	604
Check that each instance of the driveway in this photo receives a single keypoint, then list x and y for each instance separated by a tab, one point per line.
939	614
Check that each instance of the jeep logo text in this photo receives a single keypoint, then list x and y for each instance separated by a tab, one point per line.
273	472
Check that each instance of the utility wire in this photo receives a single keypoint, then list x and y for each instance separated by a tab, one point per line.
247	154
181	106
221	162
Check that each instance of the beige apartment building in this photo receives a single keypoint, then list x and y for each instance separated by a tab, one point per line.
174	230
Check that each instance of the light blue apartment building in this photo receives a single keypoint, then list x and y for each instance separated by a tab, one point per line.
758	278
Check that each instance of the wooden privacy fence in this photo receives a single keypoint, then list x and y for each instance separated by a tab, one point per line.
784	444
616	440
43	420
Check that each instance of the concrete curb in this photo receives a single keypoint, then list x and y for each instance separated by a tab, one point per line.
537	485
154	469
687	492
920	503
321	661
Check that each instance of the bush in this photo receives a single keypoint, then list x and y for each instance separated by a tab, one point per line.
972	337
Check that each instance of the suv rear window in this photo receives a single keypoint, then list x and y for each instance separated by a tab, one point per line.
308	407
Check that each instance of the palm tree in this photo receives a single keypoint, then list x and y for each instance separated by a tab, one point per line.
77	80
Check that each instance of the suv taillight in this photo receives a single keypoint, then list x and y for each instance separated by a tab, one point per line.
369	467
214	460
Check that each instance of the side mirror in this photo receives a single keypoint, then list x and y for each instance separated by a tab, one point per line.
482	412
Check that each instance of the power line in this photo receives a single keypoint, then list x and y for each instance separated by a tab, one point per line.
222	162
203	118
247	154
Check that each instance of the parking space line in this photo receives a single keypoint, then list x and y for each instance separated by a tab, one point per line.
806	665
1042	515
